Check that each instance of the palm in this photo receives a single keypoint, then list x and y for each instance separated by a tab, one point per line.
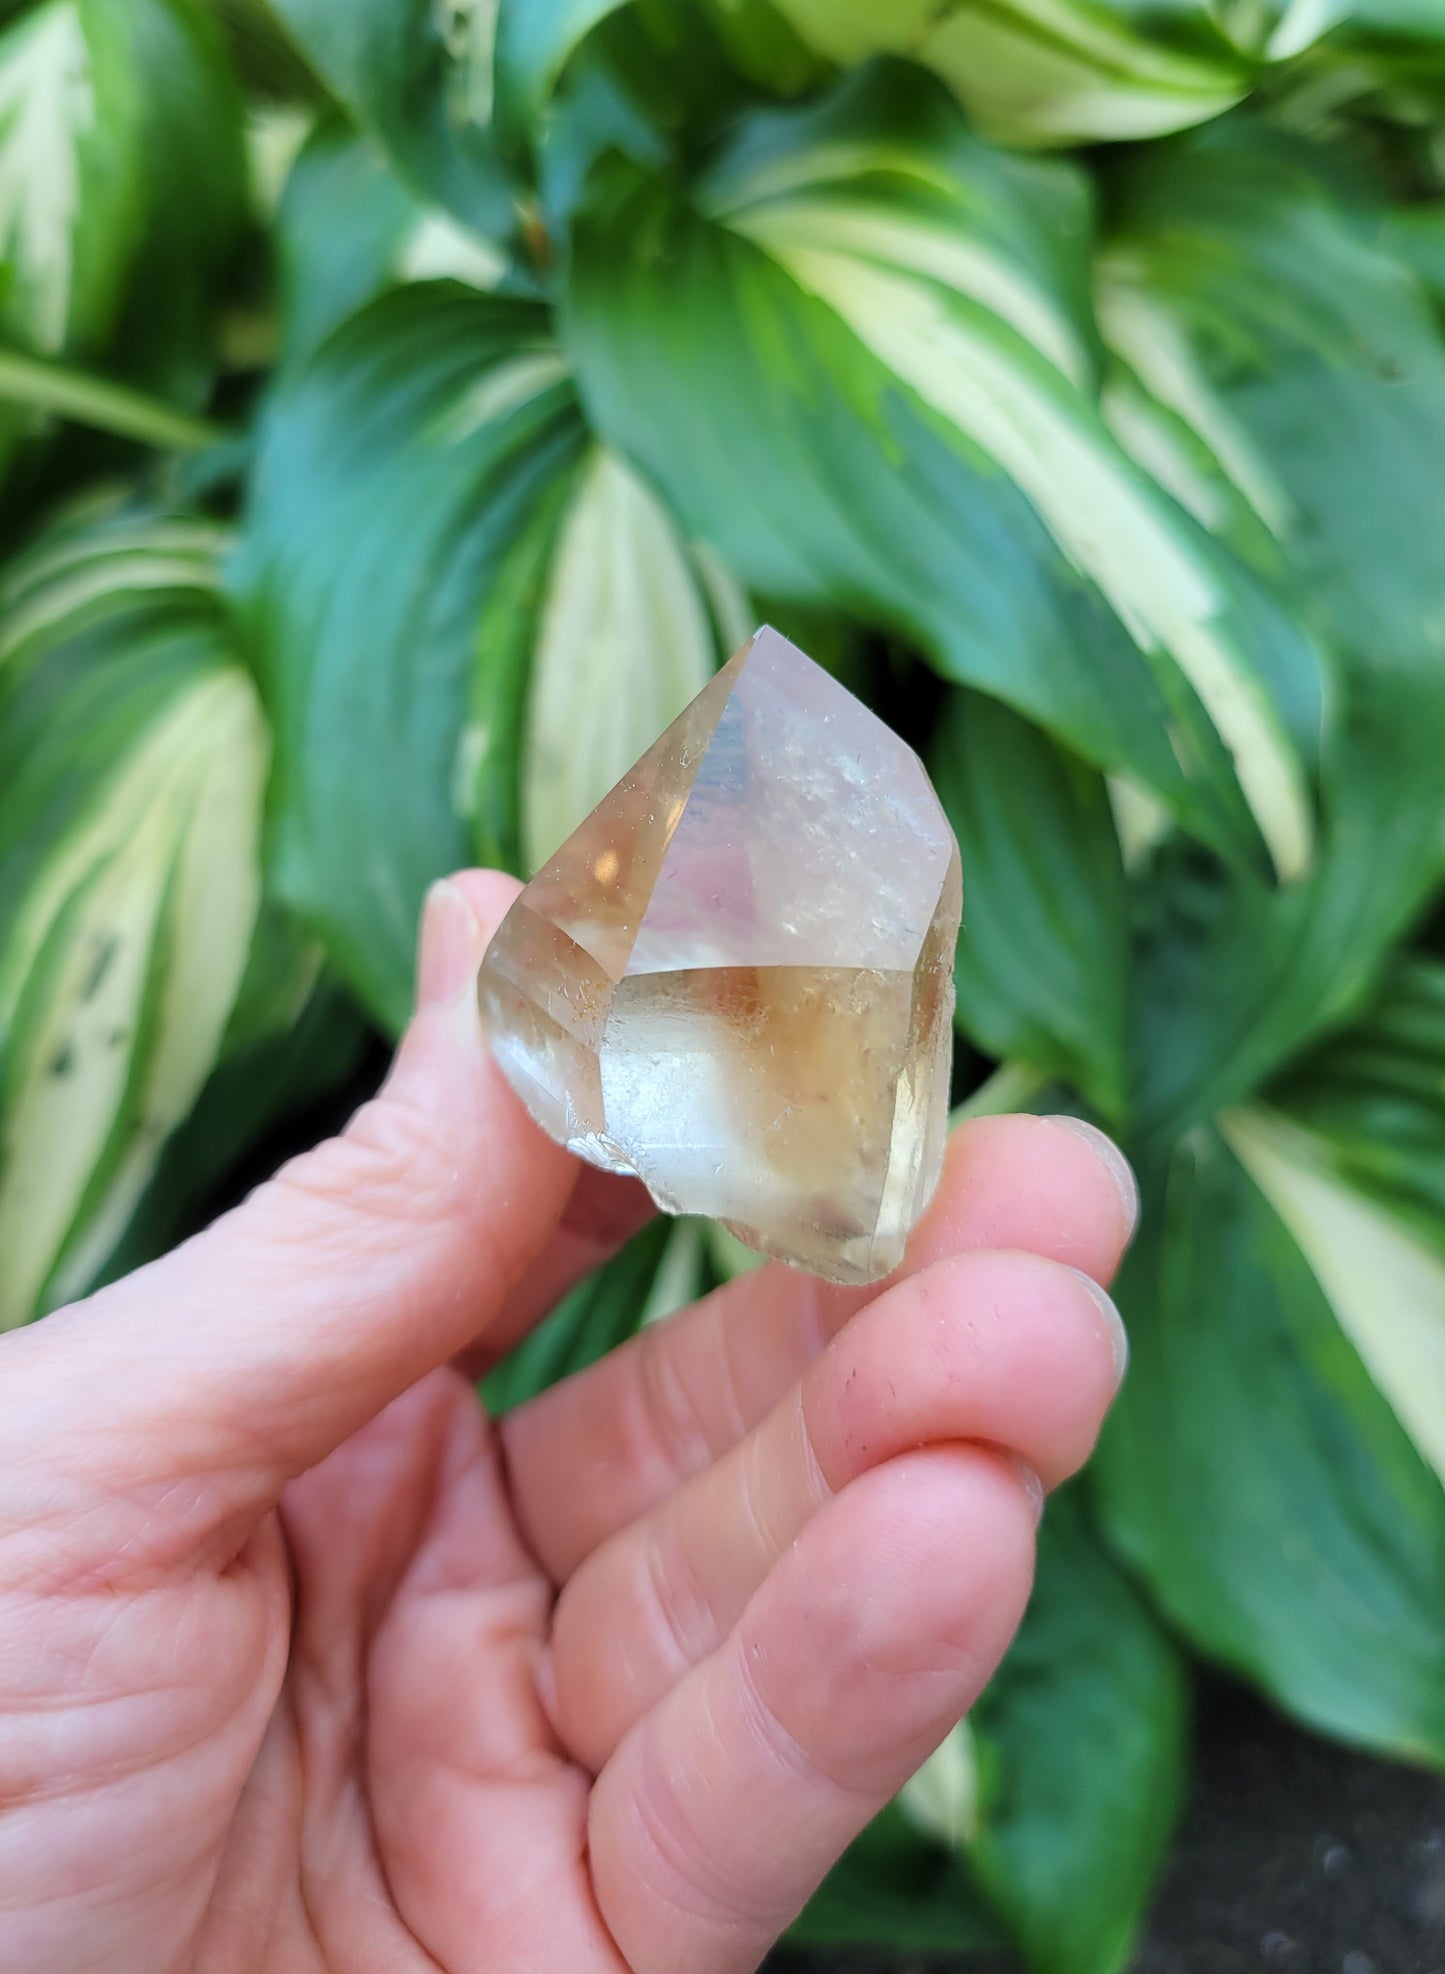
408	1754
296	1673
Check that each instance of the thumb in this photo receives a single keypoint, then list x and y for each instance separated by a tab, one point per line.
252	1351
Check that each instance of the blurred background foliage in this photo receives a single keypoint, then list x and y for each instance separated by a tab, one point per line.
405	404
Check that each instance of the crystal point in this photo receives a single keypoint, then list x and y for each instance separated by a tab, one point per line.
735	979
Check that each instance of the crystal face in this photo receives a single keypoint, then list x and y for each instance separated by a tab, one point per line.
735	980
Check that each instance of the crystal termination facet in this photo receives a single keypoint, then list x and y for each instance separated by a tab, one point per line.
735	979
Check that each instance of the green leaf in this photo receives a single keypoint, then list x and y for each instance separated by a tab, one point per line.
622	639
447	587
534	39
1384	1278
1351	1154
348	229
1255	1476
120	159
132	766
1406	30
1045	72
1376	1093
861	365
67	182
590	1320
343	217
1258	300
1082	1744
188	125
1043	958
942	1796
395	475
896	1887
121	195
293	1037
1415	235
265	58
418	74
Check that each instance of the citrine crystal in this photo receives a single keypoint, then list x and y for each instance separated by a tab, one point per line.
735	979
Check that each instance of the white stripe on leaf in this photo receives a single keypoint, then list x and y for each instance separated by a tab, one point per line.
156	895
1383	1280
47	104
1141	329
1104	515
623	643
943	254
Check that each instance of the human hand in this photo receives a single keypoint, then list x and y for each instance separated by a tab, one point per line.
304	1665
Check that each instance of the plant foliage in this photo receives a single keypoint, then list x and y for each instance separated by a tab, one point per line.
406	404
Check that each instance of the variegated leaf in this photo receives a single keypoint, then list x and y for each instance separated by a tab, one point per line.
624	639
872	256
348	229
133	760
405	477
1046	71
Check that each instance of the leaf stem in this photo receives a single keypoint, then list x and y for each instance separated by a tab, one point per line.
53	387
1012	1086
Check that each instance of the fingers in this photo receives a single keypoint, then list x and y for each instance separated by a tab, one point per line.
603	1211
412	1685
248	1354
1005	1350
680	1394
722	1810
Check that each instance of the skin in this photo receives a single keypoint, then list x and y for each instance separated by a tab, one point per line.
305	1664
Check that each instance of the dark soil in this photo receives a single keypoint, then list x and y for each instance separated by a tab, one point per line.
1294	1855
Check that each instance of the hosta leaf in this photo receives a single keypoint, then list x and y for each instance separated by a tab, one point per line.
1046	71
266	59
293	1037
1255	1475
471	622
575	76
1082	1745
534	39
67	222
941	1798
1283	29
1043	959
395	477
897	1886
189	131
1260	303
120	159
418	74
861	365
1415	235
132	765
622	639
1384	1278
1351	1153
348	229
589	1321
1376	1093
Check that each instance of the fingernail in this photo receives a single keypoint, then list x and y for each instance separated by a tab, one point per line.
1113	1322
451	946
1032	1486
1112	1159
